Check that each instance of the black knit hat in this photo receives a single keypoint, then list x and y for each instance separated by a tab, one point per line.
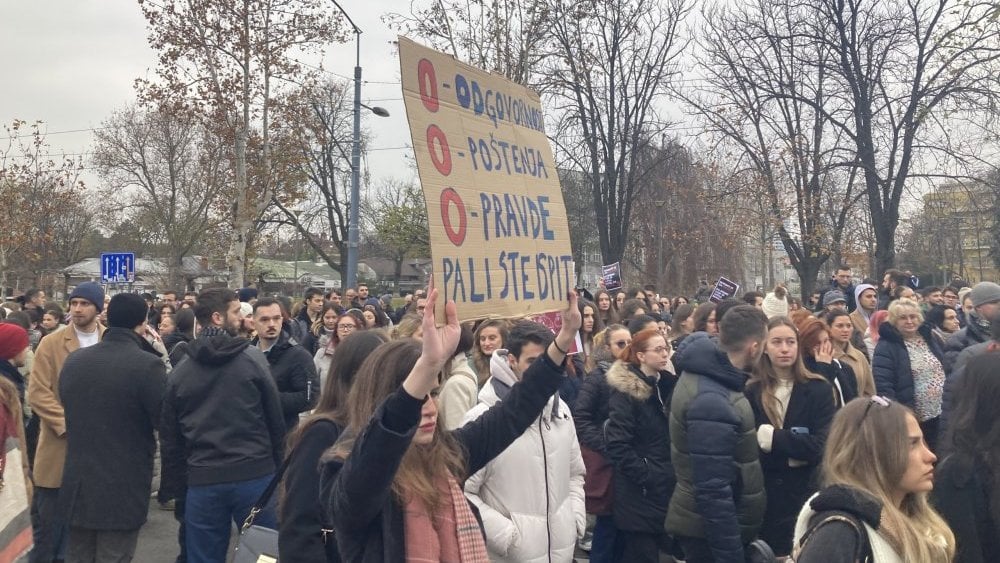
126	310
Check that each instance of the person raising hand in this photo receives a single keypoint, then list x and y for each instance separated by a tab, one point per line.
392	484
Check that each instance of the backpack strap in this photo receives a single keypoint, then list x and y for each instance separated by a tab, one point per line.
862	552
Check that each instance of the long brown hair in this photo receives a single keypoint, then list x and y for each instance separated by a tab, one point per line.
480	361
868	449
381	375
766	378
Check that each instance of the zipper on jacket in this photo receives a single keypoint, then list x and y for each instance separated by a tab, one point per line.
545	471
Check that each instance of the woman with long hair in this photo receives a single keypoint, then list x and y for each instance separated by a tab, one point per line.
346	324
490	336
605	307
391	482
676	304
871	335
590	416
184	329
793	409
816	351
637	442
908	365
631	309
704	319
683	324
967	482
300	528
844	351
592	324
877	472
326	323
943	321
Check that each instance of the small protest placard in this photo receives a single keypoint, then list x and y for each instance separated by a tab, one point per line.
553	322
612	274
724	289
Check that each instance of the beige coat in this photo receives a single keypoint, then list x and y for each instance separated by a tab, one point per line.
861	366
43	396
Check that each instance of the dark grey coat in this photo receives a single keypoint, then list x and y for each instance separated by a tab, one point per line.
111	393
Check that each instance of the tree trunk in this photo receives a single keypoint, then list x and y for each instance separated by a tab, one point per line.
242	221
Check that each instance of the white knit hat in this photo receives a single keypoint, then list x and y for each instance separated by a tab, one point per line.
775	306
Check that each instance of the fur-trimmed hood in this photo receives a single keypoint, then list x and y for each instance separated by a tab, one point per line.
624	378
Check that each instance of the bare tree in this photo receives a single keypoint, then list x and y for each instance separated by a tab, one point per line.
609	65
34	189
166	170
503	36
227	61
396	218
760	67
899	64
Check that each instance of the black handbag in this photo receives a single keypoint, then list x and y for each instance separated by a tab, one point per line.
257	544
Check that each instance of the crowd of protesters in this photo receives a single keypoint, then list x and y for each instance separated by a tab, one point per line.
860	426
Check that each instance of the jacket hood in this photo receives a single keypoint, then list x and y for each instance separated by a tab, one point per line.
500	368
861	289
848	499
216	350
624	378
699	354
501	379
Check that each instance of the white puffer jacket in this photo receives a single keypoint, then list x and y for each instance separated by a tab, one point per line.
530	496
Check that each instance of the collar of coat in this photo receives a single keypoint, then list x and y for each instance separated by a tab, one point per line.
628	380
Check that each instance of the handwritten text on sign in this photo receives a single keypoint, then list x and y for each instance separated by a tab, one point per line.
498	230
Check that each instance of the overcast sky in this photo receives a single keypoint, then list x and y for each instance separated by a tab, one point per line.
71	63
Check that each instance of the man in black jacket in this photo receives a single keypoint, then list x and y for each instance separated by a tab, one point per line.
301	327
985	298
111	395
292	367
221	431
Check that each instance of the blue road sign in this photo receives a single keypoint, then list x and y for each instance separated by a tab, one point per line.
118	267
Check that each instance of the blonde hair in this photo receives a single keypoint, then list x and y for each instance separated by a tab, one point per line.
868	449
897	306
765	376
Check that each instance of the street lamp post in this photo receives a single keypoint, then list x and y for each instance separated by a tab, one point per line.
353	217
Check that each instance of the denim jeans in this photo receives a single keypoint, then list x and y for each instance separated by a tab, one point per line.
210	511
602	548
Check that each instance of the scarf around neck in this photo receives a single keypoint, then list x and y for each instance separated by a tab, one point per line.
452	534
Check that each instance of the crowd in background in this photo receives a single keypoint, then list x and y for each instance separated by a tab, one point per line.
859	424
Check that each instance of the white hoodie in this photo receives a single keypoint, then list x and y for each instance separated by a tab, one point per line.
530	496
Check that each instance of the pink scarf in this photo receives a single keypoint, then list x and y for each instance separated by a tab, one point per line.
452	535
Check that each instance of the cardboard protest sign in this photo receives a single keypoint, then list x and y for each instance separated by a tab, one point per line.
612	275
724	289
498	231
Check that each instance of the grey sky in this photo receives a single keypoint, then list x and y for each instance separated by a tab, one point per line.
70	63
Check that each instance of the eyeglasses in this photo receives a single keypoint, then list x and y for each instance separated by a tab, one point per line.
346	327
622	343
658	350
875	400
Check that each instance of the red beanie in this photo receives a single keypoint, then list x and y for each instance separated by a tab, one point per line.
13	340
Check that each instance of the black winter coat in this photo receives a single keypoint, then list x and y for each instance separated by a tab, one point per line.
357	492
300	526
961	494
891	363
802	437
638	444
592	409
839	375
294	374
111	393
839	541
221	419
970	335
